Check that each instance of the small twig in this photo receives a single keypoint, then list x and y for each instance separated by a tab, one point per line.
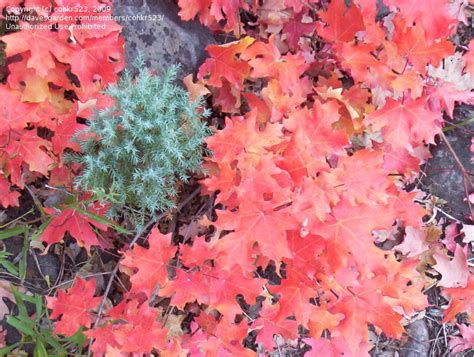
38	266
445	337
36	201
438	209
66	282
458	126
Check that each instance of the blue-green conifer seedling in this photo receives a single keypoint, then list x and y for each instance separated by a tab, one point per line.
140	149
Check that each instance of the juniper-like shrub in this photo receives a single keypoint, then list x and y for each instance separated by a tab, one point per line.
141	148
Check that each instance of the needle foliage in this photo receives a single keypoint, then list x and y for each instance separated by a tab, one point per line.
143	147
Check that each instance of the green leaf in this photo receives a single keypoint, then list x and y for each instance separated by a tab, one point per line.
40	350
6	350
20	303
53	342
20	326
39	307
24	256
11	232
103	220
9	267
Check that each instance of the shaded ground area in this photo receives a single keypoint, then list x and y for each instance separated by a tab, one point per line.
443	177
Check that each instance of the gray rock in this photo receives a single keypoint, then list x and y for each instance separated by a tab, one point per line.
163	39
418	344
443	177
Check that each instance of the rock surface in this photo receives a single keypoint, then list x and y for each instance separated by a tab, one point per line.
418	342
163	39
443	176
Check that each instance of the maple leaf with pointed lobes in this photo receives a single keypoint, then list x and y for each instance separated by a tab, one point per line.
196	254
270	323
197	285
465	342
151	264
355	187
263	57
79	225
412	44
405	124
283	103
258	105
455	272
142	331
14	114
190	8
224	286
96	63
313	140
29	149
315	198
295	29
225	180
74	307
445	95
7	197
43	45
267	62
414	242
259	222
461	300
342	22
216	288
227	341
321	319
34	88
242	135
64	131
225	64
294	294
401	161
438	22
363	305
228	10
265	178
349	229
360	61
305	250
104	339
88	24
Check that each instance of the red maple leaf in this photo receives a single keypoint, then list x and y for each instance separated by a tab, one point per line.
43	45
270	323
342	22
74	307
7	197
224	63
96	63
406	123
14	114
78	224
413	45
461	300
29	148
313	140
363	305
150	264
